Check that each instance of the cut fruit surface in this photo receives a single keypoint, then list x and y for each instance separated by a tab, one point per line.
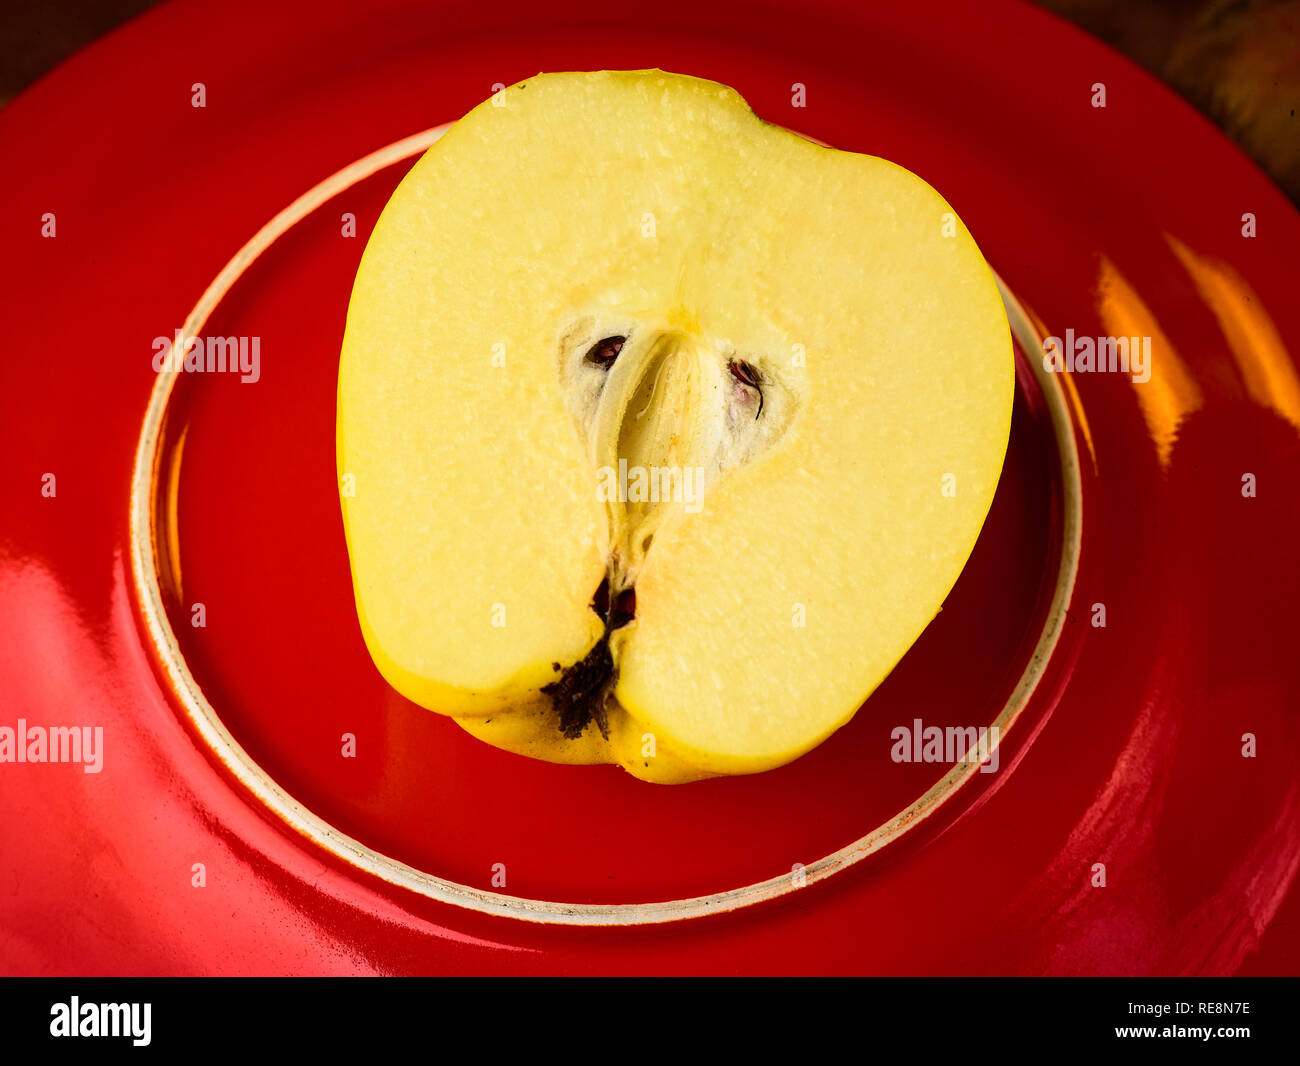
666	428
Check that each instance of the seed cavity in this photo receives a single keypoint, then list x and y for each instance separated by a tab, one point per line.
605	351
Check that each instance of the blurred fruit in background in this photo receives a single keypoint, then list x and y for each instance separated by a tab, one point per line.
1238	61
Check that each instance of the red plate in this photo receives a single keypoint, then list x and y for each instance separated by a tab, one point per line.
1122	745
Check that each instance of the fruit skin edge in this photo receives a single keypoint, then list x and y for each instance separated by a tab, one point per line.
532	730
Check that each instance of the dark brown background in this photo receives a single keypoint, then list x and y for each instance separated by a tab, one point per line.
1236	60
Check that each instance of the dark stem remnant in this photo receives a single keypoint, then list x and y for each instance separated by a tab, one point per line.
579	695
622	611
582	690
600	601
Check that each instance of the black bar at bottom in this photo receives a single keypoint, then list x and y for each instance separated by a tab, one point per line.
682	1017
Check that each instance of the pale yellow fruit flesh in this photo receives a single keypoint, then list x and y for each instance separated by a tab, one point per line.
660	201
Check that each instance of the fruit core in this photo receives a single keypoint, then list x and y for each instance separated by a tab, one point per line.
664	413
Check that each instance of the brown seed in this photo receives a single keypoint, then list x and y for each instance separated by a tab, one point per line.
604	352
746	374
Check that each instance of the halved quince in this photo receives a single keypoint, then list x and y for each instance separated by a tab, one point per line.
668	430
